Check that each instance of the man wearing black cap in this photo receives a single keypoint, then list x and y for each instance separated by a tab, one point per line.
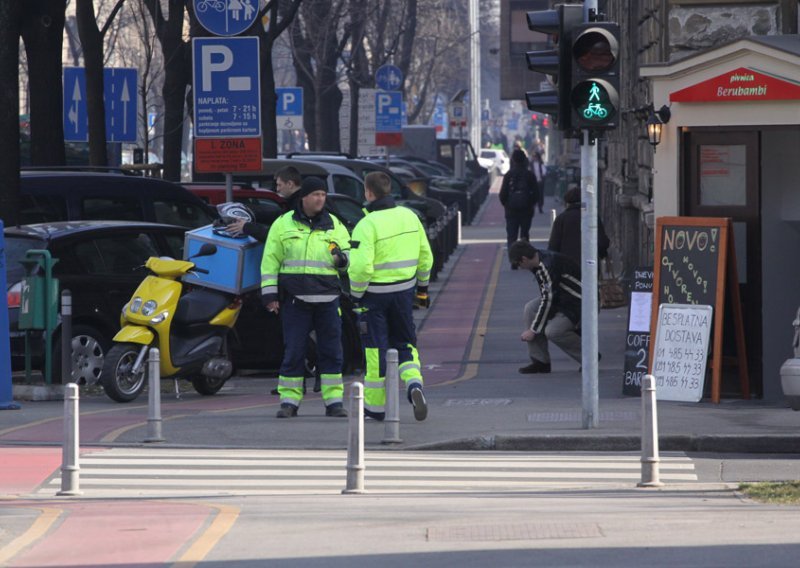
306	250
556	315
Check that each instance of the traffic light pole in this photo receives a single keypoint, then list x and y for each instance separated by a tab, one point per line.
589	307
589	348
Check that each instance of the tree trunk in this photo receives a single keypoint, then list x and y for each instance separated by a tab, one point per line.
43	32
10	16
92	43
177	62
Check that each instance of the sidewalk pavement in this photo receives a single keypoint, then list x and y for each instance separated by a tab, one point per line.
470	350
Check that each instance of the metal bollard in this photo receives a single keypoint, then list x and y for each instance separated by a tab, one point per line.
154	397
650	459
66	337
355	442
553	216
458	233
70	467
391	424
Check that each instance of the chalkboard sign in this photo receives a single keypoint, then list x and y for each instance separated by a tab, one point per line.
681	351
695	262
690	262
637	340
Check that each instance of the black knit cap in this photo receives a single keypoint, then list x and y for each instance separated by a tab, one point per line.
310	185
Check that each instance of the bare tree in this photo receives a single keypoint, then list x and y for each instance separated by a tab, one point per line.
10	28
43	31
92	37
318	39
176	51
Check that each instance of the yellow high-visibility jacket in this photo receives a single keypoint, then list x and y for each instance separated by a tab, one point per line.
389	252
297	258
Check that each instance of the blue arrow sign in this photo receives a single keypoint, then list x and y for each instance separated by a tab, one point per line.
120	102
76	123
226	17
227	92
119	96
388	77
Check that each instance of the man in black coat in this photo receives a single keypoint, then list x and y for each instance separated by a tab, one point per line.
565	235
554	316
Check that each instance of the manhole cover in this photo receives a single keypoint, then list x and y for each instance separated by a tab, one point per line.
477	402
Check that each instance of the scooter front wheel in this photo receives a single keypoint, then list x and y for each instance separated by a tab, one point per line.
207	385
119	381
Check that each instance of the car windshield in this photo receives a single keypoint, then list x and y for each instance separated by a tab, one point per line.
16	247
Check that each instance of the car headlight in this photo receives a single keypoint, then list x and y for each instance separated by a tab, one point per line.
136	304
159	318
149	307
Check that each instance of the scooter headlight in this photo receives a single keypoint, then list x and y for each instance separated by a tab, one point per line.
136	304
149	307
159	318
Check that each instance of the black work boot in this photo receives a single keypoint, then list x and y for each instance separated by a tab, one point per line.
417	398
287	411
336	410
535	367
379	416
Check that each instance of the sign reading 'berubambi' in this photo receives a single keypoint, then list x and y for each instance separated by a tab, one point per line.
681	351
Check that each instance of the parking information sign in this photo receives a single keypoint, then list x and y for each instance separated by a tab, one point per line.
389	118
227	101
119	93
289	109
226	17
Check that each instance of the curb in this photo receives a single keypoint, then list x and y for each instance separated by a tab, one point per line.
777	444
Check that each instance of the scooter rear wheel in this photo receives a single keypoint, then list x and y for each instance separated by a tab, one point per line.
206	385
118	380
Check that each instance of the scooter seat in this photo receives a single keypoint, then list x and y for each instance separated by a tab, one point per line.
200	305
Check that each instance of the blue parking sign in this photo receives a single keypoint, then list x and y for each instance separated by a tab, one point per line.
226	86
226	17
289	108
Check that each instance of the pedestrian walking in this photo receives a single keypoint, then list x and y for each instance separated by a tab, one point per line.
537	168
518	195
306	250
554	316
566	235
390	258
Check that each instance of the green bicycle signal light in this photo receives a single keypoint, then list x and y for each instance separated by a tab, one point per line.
595	94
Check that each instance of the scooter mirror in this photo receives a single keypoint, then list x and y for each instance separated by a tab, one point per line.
206	249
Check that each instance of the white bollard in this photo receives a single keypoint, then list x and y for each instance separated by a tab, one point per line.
154	397
391	424
650	459
458	221
355	442
553	216
70	466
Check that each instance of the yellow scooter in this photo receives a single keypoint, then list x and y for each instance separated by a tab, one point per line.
188	324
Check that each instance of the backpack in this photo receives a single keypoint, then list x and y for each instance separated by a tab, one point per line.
519	197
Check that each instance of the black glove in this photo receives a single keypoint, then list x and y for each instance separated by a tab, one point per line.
421	299
339	259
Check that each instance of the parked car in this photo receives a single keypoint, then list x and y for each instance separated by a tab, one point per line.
110	256
494	159
48	195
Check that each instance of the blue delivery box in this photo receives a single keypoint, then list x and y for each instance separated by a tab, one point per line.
234	268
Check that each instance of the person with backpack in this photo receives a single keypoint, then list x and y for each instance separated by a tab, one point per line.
519	193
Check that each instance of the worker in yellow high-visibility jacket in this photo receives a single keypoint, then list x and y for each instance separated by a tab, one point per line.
390	266
306	250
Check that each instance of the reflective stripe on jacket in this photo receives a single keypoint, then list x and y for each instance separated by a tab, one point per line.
297	257
390	251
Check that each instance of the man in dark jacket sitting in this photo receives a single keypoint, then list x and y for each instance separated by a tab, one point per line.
556	315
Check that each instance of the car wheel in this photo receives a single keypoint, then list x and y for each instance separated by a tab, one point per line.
119	381
89	347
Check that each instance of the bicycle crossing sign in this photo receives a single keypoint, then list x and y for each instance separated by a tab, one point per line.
226	17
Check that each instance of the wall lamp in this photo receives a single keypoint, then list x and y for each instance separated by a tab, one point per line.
654	121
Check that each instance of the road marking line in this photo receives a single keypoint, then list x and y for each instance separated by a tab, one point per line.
36	531
220	526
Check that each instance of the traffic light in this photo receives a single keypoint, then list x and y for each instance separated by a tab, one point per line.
594	96
554	62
